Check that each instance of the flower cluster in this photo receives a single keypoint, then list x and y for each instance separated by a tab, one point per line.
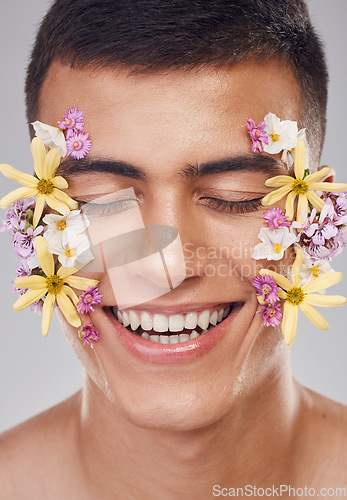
75	142
88	334
267	293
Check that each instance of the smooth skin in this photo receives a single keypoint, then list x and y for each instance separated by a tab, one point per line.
234	416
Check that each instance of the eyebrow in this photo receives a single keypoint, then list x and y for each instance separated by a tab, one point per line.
247	163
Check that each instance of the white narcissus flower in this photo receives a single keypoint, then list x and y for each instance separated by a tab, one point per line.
52	137
312	269
75	252
60	227
288	155
274	243
282	134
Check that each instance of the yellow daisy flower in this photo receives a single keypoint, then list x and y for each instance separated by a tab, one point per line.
45	186
296	296
300	186
56	287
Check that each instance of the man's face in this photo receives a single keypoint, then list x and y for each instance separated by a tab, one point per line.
161	125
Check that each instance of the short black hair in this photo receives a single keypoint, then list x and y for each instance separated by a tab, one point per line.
156	35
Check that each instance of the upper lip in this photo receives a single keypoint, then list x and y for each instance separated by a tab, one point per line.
178	308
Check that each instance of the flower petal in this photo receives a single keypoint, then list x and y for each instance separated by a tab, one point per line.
17	194
299	160
325	300
329	186
68	310
18	176
39	154
80	283
39	206
64	198
302	205
279	180
32	282
57	205
314	316
299	259
46	259
52	161
28	298
47	311
279	279
317	202
276	195
282	294
289	322
317	175
70	293
59	182
290	205
64	272
322	282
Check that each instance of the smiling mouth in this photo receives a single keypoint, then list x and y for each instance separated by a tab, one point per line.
173	329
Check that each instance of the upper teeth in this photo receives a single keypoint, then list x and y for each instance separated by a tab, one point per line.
175	323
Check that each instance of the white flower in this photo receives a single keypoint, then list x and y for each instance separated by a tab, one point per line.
52	137
59	227
73	253
33	261
282	134
288	154
311	269
274	243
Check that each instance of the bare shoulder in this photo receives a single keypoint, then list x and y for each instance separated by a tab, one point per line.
37	451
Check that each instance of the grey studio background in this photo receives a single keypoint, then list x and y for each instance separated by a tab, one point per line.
37	372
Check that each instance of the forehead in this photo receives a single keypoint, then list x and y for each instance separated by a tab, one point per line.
177	113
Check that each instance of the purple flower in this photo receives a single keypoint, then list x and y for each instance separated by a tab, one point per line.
78	145
88	334
23	240
266	288
16	213
91	297
257	134
272	314
276	218
73	122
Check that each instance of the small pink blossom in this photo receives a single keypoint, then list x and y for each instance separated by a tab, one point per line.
271	313
91	297
78	145
266	288
88	334
73	122
276	218
257	134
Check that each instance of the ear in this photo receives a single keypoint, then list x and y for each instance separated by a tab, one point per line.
330	177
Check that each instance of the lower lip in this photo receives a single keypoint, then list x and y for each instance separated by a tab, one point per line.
154	352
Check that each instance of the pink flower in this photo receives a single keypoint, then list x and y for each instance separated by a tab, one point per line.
276	218
272	314
266	288
23	240
73	121
88	334
78	145
91	297
257	134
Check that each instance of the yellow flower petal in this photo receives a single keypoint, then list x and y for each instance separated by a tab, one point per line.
317	202
279	180
47	311
302	205
289	322
325	300
80	283
14	174
56	204
279	279
17	194
276	195
28	298
64	198
299	160
70	293
299	259
64	272
32	282
329	186
290	205
39	153
68	310
282	294
46	259
52	161
322	282
59	182
314	316
39	206
310	179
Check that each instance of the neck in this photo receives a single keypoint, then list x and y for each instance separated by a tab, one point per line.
247	445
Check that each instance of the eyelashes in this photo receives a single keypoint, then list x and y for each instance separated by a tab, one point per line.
120	206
